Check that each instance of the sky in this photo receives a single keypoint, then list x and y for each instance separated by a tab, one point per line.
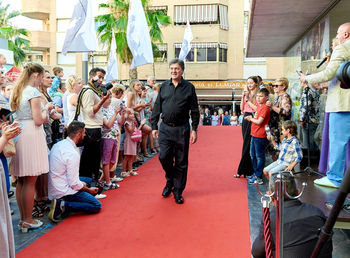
21	21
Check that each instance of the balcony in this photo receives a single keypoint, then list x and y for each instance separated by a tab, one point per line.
36	9
39	40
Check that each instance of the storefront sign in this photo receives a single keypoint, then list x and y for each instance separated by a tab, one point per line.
218	84
221	84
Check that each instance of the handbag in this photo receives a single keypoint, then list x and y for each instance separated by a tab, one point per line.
136	136
9	149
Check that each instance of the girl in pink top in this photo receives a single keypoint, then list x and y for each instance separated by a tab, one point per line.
130	146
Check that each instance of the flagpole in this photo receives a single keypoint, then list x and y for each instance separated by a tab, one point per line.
85	61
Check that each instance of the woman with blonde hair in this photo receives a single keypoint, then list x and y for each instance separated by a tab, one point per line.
31	158
74	84
248	107
281	110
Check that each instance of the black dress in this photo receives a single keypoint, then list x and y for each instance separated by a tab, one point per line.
245	165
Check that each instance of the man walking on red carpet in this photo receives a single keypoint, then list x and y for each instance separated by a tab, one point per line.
176	100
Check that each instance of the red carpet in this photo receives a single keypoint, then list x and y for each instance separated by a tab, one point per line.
135	221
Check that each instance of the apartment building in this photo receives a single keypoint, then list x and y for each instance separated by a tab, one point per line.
216	61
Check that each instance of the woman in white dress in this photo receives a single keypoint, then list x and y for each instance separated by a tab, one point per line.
31	158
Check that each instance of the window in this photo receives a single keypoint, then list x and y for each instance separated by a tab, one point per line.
204	52
189	57
222	52
211	56
201	14
201	54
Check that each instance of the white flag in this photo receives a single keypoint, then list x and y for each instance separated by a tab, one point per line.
112	68
186	43
139	40
81	34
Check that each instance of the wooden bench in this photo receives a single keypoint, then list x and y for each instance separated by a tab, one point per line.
318	195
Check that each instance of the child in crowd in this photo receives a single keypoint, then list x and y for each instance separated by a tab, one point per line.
117	102
258	141
55	89
117	95
112	118
290	151
234	118
130	146
240	119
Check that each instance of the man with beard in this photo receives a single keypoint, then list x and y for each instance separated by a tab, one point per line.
67	192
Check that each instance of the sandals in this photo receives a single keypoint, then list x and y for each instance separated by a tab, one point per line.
111	186
36	212
42	205
25	226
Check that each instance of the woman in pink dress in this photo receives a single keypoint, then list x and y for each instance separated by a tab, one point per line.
31	158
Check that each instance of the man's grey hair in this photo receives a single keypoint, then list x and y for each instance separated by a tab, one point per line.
151	77
291	187
177	61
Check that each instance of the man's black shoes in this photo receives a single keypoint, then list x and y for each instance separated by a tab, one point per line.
179	199
167	191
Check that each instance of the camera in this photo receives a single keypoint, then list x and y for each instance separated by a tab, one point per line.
122	105
343	75
106	88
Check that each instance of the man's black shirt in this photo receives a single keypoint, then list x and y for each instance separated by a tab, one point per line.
175	104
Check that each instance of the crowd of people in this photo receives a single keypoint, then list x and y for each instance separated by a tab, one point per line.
62	142
220	117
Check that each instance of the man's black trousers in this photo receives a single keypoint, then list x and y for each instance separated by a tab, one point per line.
91	156
173	155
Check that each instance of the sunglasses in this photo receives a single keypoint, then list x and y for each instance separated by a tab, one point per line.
276	85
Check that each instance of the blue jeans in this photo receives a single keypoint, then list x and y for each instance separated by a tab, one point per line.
257	153
339	135
81	201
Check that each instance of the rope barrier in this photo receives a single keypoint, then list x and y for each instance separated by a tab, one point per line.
267	228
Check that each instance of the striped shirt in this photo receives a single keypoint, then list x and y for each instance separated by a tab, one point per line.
289	151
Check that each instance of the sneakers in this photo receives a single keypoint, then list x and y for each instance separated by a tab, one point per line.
100	196
255	180
56	210
116	179
324	181
134	173
125	174
111	186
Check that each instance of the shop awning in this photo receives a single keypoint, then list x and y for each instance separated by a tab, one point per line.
275	26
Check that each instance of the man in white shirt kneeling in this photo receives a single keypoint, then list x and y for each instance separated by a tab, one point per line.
67	192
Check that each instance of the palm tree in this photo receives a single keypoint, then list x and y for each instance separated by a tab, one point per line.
117	20
14	35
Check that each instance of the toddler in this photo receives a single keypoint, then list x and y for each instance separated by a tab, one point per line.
55	89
